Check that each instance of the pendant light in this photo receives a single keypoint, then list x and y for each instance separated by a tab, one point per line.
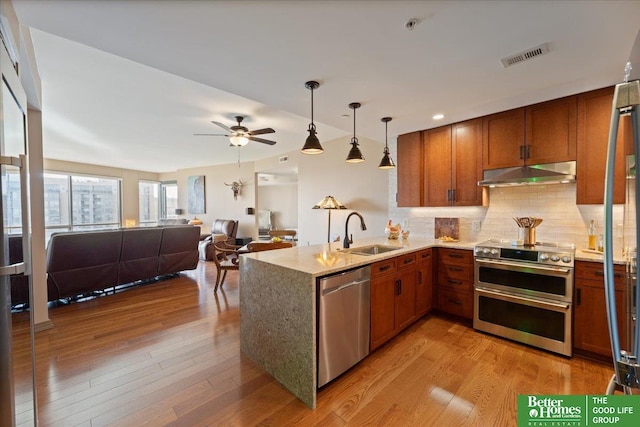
312	144
386	162
355	155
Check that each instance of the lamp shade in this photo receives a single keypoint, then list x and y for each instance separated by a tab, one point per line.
239	140
312	144
355	155
329	202
386	162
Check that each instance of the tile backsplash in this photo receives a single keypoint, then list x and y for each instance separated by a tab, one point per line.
563	220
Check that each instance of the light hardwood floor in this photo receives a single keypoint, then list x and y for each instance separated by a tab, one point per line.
168	354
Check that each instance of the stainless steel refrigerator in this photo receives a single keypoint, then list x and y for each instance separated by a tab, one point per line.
17	373
626	102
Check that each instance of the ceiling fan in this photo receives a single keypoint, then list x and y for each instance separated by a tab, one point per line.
239	135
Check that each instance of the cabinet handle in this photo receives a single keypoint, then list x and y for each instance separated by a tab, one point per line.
454	301
426	255
455	268
455	282
521	152
579	296
455	256
419	277
453	196
527	152
397	288
408	260
384	268
448	195
601	273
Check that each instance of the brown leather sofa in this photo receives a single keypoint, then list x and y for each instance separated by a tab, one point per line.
19	282
221	230
79	263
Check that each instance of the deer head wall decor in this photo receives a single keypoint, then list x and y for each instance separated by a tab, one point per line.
236	187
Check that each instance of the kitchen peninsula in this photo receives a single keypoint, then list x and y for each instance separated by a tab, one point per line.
278	320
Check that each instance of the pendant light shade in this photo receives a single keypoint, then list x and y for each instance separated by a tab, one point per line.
355	155
386	162
312	143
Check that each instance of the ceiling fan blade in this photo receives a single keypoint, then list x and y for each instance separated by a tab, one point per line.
225	127
264	141
261	131
210	134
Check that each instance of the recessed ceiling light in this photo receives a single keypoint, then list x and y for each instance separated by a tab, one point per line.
438	116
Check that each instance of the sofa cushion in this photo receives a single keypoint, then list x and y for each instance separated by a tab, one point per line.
139	257
83	262
178	249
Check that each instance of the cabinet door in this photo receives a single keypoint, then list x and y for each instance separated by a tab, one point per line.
466	163
551	131
437	166
409	169
405	299
383	290
594	115
424	284
502	139
591	329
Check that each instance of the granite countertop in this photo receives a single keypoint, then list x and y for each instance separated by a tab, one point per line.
586	255
328	258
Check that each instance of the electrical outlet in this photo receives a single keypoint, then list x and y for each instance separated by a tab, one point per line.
475	226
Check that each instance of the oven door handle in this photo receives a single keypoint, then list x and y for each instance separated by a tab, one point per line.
530	301
520	266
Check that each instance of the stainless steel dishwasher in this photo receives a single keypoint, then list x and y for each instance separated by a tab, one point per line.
343	322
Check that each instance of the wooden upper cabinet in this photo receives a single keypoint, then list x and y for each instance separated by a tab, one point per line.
551	131
437	166
466	163
502	139
541	133
409	169
594	115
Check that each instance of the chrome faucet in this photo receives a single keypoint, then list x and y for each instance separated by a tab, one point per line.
348	240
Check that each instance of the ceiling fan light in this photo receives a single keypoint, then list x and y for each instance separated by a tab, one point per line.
239	140
355	155
312	144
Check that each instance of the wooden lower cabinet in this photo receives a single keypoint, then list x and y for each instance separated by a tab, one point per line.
455	282
591	329
424	284
393	297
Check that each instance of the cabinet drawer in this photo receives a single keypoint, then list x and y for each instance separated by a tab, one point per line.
406	261
595	271
454	273
424	257
455	256
381	268
456	302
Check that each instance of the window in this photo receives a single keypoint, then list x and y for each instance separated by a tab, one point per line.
148	202
169	199
76	203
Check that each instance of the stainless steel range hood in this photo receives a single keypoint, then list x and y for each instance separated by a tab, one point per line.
551	173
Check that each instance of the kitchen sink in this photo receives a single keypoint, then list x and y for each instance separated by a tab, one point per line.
372	249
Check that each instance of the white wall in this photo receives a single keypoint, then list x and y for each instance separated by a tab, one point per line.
219	201
282	200
360	187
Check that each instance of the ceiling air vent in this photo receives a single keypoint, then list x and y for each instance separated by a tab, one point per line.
525	55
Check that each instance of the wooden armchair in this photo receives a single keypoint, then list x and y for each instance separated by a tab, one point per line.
226	258
267	246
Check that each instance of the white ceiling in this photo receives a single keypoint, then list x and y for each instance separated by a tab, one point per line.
128	83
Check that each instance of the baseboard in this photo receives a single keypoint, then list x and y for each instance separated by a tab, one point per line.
43	326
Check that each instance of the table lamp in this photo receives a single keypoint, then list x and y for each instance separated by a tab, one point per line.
329	203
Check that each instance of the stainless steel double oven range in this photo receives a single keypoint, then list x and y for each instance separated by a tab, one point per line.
525	293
